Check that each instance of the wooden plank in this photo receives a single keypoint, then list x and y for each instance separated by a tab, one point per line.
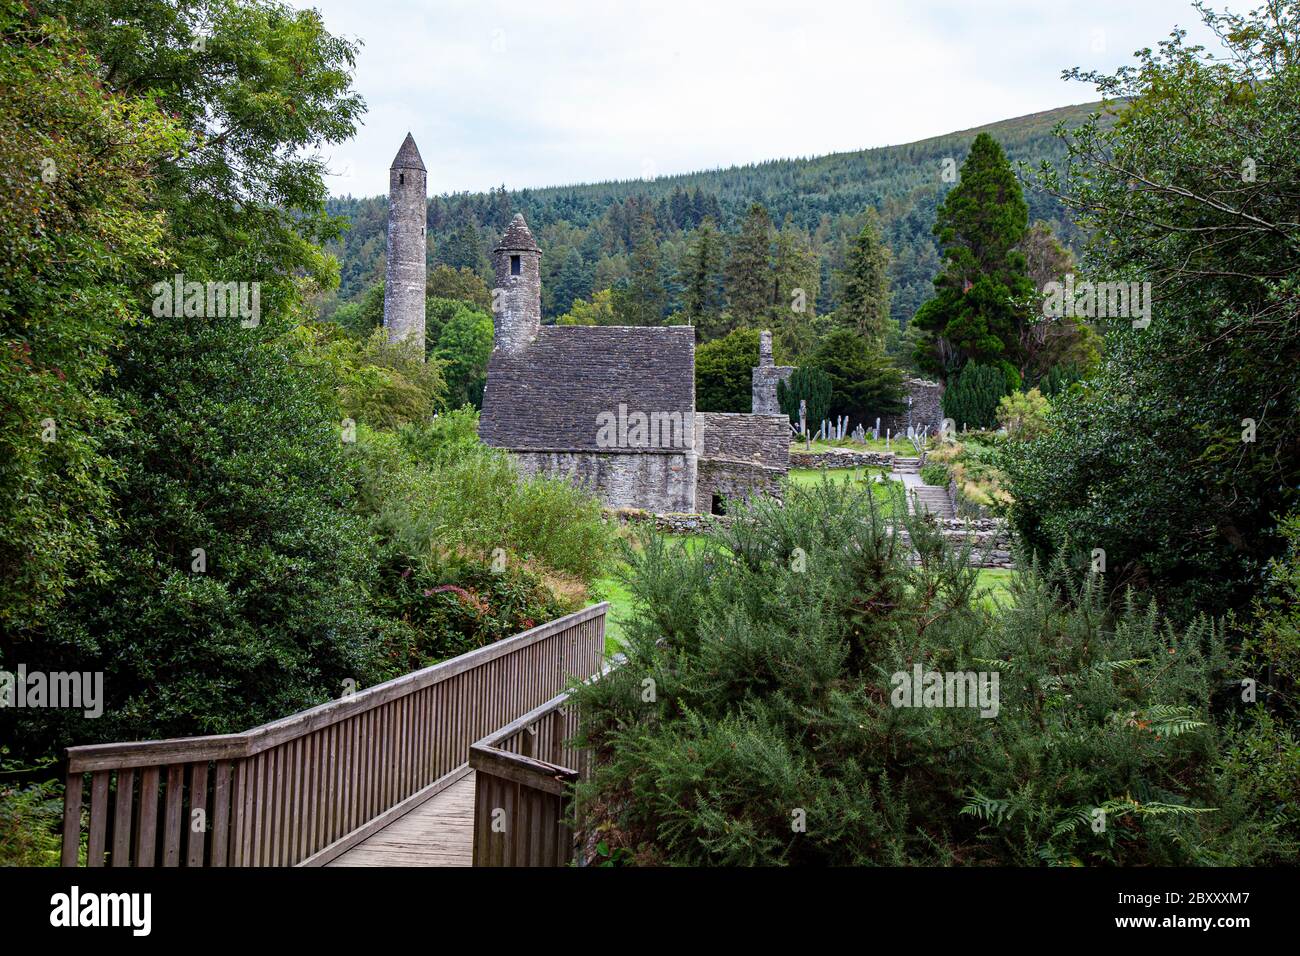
72	819
373	826
172	818
98	817
194	842
221	814
146	827
124	803
257	837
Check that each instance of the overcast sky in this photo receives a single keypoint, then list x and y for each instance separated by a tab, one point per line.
567	91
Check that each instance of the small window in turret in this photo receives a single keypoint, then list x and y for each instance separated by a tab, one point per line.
514	265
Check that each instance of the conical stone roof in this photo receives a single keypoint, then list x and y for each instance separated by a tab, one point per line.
408	157
517	237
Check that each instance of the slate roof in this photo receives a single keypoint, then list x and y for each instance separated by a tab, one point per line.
549	396
408	157
517	237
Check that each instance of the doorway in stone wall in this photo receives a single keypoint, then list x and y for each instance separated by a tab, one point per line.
719	505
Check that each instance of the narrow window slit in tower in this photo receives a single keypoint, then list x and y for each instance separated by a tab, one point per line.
514	265
401	179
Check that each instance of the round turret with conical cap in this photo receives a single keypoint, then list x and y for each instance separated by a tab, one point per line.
404	275
517	298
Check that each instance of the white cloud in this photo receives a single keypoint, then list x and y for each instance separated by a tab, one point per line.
576	91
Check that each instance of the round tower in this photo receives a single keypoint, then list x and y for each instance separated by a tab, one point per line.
404	275
517	298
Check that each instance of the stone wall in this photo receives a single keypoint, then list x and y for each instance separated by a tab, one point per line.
841	459
734	479
655	481
926	410
673	523
990	539
757	439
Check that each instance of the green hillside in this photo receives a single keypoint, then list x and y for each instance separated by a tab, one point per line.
587	231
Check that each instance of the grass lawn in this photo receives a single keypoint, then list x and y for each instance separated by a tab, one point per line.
813	476
998	583
848	445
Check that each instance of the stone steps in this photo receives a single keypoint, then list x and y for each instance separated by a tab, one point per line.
934	499
907	466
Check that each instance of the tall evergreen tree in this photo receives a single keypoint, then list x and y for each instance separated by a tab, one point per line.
701	278
865	283
642	302
981	222
749	268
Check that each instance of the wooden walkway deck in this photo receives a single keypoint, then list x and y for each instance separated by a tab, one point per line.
439	832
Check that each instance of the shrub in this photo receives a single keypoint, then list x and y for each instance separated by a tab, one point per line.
1024	414
30	815
972	396
934	473
386	385
773	646
810	385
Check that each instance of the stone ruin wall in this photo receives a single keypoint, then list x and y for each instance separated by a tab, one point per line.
758	439
740	456
763	388
926	411
653	480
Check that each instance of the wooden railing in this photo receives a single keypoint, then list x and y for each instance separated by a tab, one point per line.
301	790
523	788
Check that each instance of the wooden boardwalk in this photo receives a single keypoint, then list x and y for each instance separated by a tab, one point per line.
439	832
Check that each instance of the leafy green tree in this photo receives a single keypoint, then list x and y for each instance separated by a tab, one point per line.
77	242
386	385
238	590
864	299
1153	461
464	348
978	306
599	311
724	372
749	280
864	383
365	314
462	285
811	386
1023	414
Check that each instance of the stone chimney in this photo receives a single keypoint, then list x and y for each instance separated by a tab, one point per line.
405	269
517	298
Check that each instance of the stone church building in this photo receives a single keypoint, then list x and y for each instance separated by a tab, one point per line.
611	408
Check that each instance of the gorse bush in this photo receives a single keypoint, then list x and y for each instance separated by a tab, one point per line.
753	720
